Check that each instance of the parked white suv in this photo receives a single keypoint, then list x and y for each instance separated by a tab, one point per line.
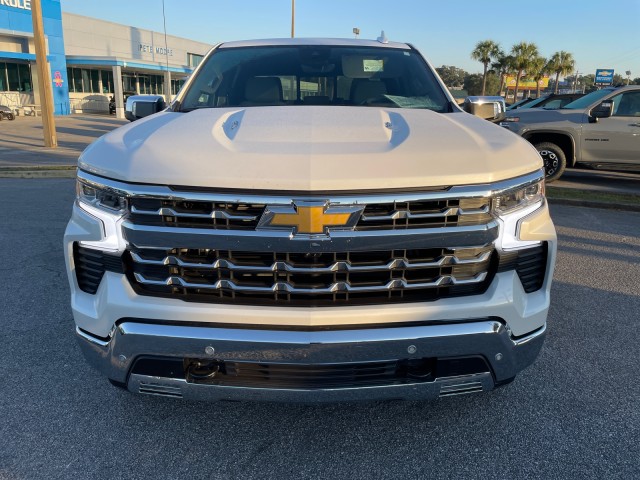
310	220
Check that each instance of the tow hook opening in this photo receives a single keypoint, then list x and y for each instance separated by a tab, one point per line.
198	369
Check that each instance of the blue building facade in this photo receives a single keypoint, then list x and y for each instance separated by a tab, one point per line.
18	74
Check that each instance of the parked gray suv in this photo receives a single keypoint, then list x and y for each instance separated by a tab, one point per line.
601	129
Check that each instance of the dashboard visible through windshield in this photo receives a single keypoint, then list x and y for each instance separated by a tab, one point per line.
314	75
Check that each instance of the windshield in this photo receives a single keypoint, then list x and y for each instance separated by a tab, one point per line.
588	99
314	75
535	102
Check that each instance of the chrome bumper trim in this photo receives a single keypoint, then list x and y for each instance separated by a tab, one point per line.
441	387
489	338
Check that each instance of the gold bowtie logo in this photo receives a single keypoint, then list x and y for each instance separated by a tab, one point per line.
310	218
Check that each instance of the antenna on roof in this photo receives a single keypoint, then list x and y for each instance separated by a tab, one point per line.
382	38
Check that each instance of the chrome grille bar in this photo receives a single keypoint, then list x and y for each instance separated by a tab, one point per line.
170	212
341	266
407	214
333	288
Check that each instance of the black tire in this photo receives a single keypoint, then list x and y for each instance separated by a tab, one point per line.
555	161
11	116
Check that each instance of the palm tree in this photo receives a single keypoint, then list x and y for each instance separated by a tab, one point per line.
523	55
538	69
484	52
502	67
561	63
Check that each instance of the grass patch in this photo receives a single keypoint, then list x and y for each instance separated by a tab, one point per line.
592	196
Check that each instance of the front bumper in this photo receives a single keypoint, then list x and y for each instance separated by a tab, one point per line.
132	339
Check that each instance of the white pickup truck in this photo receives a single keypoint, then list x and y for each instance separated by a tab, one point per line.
310	220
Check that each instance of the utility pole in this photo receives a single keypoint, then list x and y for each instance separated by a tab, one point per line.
44	75
167	73
293	18
575	81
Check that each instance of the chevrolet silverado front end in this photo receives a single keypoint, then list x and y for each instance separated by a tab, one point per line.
310	220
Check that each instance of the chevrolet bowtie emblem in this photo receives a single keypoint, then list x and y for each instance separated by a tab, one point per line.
310	218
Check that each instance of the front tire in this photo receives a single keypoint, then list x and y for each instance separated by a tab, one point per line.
11	116
555	161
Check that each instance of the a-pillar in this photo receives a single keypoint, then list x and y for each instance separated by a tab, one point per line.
117	91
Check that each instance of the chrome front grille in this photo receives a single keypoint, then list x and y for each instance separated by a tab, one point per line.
397	215
202	245
311	278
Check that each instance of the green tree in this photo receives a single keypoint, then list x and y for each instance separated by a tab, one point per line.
474	82
484	52
502	66
561	63
523	54
538	69
451	76
588	81
619	79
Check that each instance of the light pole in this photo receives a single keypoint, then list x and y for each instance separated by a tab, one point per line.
167	74
293	18
356	32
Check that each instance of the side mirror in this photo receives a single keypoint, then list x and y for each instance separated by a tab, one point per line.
604	110
140	106
489	108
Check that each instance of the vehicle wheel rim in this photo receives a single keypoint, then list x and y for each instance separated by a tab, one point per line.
551	162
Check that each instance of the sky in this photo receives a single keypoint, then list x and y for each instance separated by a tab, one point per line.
599	34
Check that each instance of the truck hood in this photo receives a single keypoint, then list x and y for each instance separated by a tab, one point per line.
310	148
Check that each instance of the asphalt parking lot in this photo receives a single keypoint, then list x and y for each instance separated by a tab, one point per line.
573	414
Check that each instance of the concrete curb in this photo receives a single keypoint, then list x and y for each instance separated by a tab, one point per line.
35	171
591	204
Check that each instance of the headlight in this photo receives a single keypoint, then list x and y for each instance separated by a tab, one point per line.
100	197
518	198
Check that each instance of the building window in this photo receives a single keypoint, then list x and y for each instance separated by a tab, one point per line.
193	59
3	77
128	83
95	81
176	85
84	80
15	77
107	81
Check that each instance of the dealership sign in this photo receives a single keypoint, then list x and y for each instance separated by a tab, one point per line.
527	83
604	76
21	4
148	48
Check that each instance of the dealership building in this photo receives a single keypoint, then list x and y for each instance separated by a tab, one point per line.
90	60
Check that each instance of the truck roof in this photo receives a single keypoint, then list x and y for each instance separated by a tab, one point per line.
343	42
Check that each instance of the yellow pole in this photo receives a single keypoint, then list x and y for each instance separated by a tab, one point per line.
293	18
44	76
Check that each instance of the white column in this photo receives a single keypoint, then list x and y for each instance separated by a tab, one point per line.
167	87
117	91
